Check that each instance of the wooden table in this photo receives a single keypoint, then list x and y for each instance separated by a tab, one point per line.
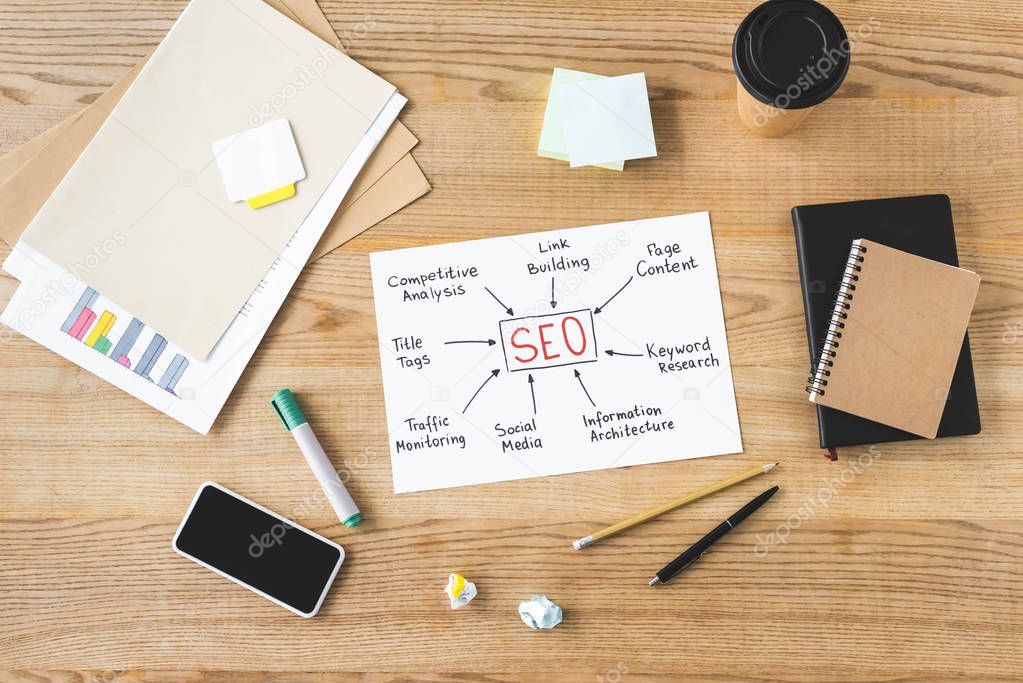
911	569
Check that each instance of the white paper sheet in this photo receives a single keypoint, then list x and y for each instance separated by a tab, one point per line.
554	352
50	301
607	120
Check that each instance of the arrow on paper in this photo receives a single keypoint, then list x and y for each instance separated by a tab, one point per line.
532	393
579	377
554	303
619	353
508	310
492	375
599	308
488	342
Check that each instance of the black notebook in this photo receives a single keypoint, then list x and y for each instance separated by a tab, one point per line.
824	234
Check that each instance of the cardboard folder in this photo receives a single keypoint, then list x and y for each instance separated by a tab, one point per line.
30	173
178	250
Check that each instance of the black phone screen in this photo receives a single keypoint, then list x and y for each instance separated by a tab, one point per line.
258	549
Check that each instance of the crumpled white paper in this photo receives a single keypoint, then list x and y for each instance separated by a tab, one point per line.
460	591
538	612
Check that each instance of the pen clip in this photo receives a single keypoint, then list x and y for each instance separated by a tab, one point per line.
277	409
693	561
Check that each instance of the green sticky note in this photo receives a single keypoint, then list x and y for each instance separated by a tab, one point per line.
552	136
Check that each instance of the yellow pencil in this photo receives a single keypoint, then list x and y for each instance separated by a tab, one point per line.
671	505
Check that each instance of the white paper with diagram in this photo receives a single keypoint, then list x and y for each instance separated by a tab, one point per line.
554	352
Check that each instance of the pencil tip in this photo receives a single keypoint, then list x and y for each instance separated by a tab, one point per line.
771	466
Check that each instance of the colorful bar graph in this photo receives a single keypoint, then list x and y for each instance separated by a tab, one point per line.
81	325
106	322
149	356
173	373
126	342
85	301
102	345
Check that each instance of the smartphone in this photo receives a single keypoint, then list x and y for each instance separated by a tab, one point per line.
258	549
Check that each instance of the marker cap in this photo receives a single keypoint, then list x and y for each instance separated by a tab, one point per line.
286	407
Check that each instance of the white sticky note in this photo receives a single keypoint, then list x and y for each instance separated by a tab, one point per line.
259	160
552	136
607	120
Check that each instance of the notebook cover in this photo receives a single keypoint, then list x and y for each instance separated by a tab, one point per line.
824	234
895	338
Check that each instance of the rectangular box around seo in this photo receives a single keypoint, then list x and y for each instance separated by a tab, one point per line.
548	341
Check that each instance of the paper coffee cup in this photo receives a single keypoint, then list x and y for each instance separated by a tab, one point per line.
789	56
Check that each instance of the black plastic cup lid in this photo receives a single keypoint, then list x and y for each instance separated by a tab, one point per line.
791	54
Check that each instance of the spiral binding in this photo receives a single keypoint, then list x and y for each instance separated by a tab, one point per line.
841	306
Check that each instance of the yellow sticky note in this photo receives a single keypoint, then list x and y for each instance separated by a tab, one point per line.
271	196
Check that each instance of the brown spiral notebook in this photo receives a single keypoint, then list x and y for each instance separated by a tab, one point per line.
894	338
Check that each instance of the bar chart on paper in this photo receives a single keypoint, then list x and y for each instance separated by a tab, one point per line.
103	333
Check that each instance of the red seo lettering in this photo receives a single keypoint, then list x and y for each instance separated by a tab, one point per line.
548	341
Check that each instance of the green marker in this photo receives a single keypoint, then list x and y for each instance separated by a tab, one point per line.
287	409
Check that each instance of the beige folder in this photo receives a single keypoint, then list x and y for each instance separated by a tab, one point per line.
147	193
30	173
403	184
894	338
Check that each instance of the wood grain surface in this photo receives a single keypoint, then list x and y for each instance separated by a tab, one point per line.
901	563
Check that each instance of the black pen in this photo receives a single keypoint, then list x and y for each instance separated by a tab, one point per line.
697	550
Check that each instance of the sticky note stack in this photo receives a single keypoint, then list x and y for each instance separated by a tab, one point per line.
594	120
260	165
